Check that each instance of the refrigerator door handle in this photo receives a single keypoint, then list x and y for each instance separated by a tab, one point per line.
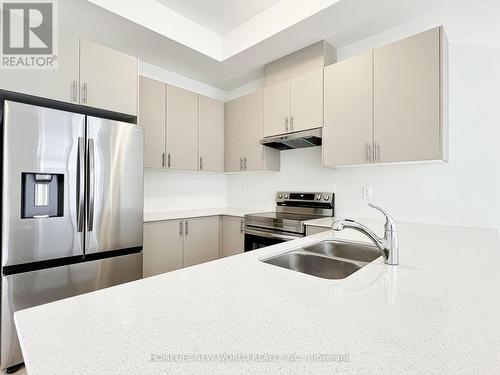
91	185
80	177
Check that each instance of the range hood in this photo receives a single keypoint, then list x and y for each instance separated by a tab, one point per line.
302	139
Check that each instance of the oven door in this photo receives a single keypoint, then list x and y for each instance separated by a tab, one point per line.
256	238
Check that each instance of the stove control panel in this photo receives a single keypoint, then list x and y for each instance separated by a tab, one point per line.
310	203
283	196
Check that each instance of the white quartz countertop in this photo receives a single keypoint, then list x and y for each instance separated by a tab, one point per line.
186	214
435	313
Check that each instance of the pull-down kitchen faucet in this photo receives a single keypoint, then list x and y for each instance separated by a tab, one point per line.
388	246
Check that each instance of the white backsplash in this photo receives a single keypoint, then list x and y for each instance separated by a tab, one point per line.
167	190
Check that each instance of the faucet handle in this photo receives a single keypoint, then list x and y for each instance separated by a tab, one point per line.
390	223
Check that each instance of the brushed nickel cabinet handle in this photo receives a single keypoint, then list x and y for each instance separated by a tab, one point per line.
187	227
241	164
291	123
368	152
377	152
169	160
245	163
180	228
84	93
74	91
201	163
286	123
163	160
242	227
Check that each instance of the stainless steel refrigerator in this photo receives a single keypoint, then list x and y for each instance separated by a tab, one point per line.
72	209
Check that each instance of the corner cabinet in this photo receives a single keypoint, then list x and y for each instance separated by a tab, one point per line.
388	105
294	105
182	130
243	132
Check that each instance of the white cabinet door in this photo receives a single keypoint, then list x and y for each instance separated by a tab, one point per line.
152	118
307	101
407	108
58	84
182	129
108	79
253	131
348	129
277	109
233	236
201	240
162	247
234	120
211	134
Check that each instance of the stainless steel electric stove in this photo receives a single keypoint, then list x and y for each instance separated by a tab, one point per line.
287	222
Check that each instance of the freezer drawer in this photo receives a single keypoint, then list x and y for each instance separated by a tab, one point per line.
43	168
115	185
30	289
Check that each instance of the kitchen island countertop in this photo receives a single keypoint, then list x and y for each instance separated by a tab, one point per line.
435	313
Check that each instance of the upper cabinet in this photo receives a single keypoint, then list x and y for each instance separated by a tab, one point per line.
348	129
306	98
294	105
389	105
211	123
409	80
152	104
58	84
108	78
244	131
234	135
87	74
182	129
277	109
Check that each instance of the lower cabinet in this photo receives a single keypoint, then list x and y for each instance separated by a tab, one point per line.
173	244
233	236
201	240
162	247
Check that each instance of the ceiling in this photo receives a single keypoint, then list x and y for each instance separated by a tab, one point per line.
219	16
343	23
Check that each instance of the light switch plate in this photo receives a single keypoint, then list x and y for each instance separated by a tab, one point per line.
367	192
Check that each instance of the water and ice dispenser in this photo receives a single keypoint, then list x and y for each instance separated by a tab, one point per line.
42	195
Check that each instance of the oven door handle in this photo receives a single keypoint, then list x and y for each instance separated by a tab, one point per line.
279	236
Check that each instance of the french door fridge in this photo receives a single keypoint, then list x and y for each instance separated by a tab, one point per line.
72	209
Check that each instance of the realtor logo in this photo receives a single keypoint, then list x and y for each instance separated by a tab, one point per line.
28	34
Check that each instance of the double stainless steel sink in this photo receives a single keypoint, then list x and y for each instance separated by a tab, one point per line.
333	259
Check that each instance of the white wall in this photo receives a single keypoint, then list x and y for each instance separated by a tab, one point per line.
163	75
465	191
